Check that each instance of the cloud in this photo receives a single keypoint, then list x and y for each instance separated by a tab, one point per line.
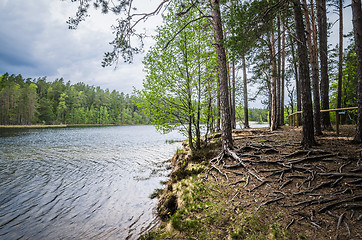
35	41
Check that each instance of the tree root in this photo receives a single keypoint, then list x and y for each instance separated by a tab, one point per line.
330	206
270	201
313	182
286	183
259	185
290	224
313	158
337	174
219	171
344	165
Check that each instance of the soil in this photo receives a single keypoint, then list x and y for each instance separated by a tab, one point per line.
319	187
295	193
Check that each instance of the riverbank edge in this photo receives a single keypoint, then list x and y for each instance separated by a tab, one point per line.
60	125
188	190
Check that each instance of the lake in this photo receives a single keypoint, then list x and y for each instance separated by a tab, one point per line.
81	183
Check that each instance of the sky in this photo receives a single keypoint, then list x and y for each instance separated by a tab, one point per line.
35	41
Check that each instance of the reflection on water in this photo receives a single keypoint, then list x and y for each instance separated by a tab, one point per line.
81	183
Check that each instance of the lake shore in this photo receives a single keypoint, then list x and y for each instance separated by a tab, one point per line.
56	125
286	192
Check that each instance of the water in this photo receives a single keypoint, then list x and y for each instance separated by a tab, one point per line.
81	183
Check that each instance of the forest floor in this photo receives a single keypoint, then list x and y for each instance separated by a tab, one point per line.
286	192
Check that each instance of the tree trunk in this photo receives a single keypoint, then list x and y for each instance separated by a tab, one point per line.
274	110
297	82
283	77
233	104
229	86
357	28
315	71
308	128
279	116
218	106
246	108
226	131
323	48
340	61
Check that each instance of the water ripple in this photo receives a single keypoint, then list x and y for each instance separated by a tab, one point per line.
81	183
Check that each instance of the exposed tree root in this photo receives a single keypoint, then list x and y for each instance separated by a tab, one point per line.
322	187
270	201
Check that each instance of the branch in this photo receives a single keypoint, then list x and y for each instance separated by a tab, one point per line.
178	32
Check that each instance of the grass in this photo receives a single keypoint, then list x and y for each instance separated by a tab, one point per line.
203	213
196	208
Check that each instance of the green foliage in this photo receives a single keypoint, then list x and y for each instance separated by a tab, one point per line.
29	101
255	115
349	84
180	81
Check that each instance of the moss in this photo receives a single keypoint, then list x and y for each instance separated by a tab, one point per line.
278	232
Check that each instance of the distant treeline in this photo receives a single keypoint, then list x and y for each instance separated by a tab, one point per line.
34	101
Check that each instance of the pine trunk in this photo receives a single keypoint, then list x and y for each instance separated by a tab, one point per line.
323	48
278	96
357	28
315	72
297	82
233	103
340	61
246	108
283	77
274	110
308	128
226	131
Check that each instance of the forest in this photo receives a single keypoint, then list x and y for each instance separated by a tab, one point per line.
205	59
279	47
38	101
209	60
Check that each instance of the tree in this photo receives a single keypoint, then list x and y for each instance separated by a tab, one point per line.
314	64
357	28
46	114
323	51
177	79
245	90
226	134
308	128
